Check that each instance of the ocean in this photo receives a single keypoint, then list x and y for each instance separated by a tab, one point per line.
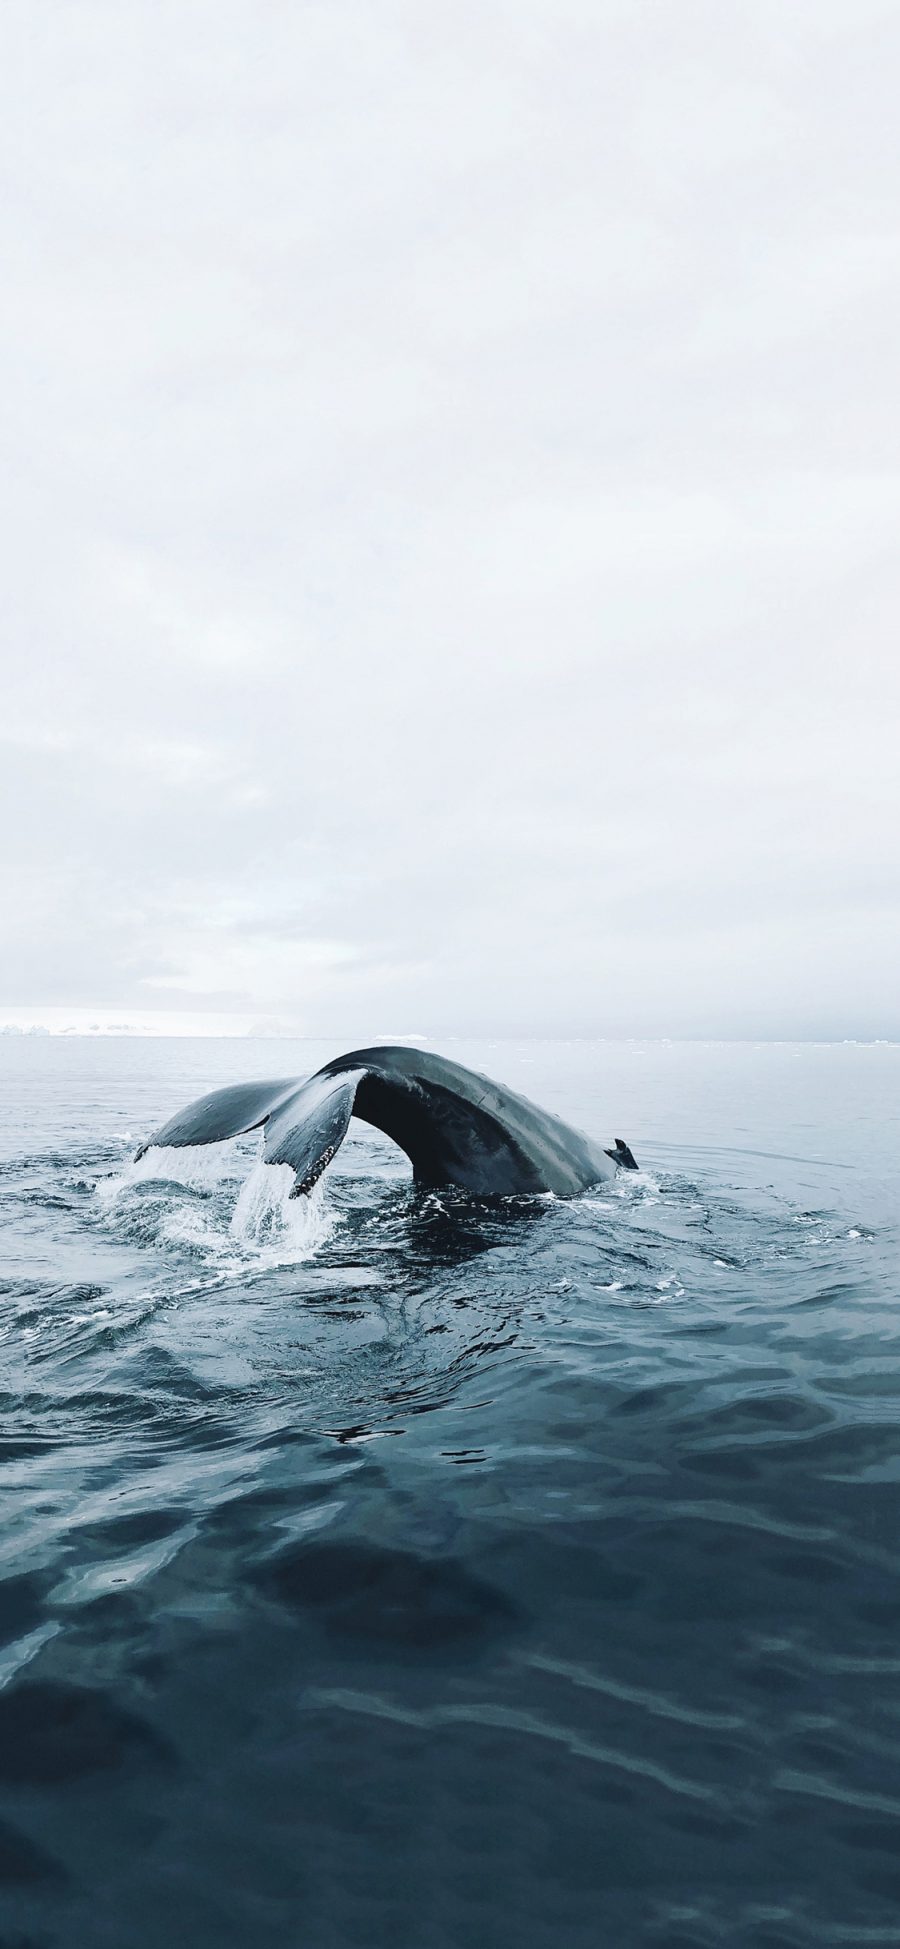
399	1569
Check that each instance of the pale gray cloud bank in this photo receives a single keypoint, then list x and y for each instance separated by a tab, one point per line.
451	497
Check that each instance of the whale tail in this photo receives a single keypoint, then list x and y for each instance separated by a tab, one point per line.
456	1127
304	1122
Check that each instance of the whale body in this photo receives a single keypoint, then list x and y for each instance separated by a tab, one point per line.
456	1127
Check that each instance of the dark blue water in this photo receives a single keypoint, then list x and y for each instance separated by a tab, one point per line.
406	1571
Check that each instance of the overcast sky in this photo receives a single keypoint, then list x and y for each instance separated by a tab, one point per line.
451	513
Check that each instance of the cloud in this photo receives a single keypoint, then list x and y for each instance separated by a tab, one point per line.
449	513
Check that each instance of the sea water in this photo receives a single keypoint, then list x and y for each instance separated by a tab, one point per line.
395	1568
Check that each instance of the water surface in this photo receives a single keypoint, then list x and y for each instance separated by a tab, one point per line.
403	1570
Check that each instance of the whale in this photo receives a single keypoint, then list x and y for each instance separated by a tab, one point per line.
457	1127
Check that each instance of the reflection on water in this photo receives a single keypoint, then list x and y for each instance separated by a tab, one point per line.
402	1568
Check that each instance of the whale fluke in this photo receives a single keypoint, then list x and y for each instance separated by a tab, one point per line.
456	1127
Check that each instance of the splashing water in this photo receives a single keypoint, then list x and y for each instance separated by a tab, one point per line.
199	1167
267	1215
265	1221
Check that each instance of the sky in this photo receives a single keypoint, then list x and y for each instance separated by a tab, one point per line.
450	515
